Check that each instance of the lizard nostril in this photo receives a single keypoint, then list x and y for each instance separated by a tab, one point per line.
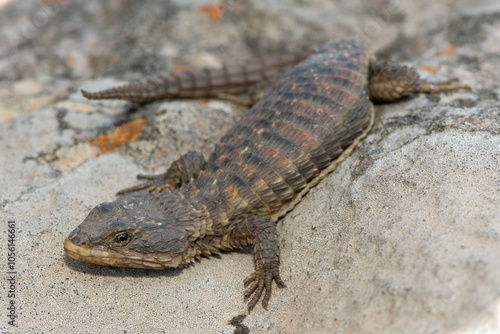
74	233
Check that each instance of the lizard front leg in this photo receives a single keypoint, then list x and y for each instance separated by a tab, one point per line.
181	171
260	232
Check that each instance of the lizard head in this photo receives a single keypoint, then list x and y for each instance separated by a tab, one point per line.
137	230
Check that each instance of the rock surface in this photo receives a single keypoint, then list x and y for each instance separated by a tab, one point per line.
404	237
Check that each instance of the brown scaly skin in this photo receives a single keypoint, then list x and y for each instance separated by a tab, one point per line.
204	83
304	126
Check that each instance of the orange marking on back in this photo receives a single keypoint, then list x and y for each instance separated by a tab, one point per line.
249	172
343	77
300	137
279	160
221	158
308	139
231	193
260	183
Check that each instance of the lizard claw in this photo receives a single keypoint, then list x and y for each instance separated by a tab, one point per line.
258	282
181	171
155	184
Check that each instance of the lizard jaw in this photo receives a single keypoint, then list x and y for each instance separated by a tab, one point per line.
110	257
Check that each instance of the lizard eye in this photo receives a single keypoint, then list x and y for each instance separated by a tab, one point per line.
122	239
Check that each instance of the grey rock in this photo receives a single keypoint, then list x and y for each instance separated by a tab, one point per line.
404	237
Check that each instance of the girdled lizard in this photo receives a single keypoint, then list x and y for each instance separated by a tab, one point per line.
302	128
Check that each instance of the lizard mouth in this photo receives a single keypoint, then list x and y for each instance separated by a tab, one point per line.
109	257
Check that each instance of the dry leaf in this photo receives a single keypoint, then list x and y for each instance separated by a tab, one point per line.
428	68
71	61
122	135
214	12
447	51
182	68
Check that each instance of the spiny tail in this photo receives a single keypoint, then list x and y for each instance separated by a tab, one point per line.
203	83
147	91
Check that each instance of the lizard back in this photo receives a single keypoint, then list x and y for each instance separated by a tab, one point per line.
289	139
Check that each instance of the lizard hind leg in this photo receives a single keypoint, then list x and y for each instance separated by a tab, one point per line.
390	81
260	232
182	171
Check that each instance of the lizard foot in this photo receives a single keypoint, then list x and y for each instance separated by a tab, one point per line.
154	184
182	171
256	283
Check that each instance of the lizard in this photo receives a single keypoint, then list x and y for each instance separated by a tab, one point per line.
308	122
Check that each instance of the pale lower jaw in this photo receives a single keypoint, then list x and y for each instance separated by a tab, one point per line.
117	259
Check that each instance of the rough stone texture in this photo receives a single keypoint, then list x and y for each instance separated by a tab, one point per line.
403	237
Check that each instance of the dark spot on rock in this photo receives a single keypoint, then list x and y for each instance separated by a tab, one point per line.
239	327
